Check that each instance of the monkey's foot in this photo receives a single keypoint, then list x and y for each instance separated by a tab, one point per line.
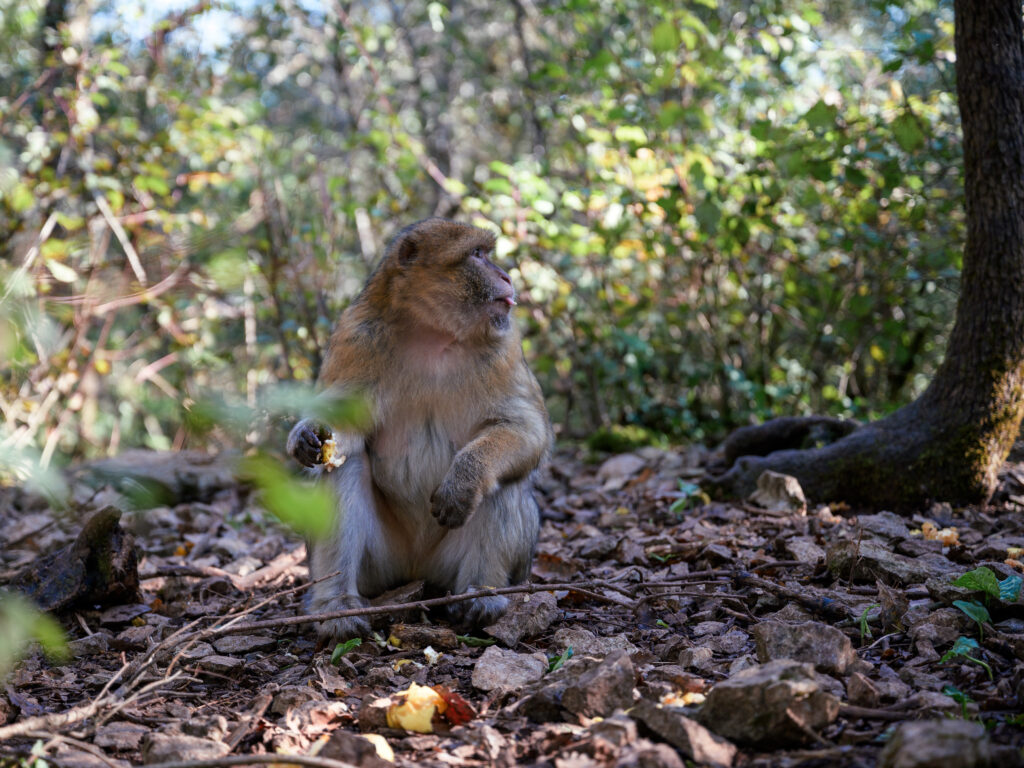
350	626
479	611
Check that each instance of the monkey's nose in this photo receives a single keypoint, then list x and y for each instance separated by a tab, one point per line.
502	273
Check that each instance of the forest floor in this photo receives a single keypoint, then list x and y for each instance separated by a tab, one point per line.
660	628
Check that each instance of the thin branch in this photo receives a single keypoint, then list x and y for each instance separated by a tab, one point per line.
122	237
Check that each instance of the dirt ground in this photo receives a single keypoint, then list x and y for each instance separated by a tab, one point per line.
660	629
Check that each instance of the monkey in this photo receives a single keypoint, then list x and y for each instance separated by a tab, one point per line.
439	486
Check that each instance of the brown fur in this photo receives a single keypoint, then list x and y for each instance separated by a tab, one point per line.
439	487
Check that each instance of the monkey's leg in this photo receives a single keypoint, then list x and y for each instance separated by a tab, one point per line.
346	551
493	549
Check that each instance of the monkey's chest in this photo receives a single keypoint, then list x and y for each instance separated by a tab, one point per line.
408	461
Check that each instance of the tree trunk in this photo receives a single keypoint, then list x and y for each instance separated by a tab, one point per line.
949	443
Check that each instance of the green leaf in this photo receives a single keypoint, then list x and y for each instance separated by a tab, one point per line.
22	198
907	132
61	272
342	648
558	661
1009	588
307	508
475	642
821	115
708	215
980	580
631	133
665	37
974	610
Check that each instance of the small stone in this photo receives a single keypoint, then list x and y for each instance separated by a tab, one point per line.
617	729
176	747
120	736
352	749
214	727
616	471
649	754
90	645
779	494
221	665
708	628
373	714
698	657
804	551
885	524
938	702
820	644
949	743
293	696
122	614
526	616
192	652
861	691
730	643
585	643
598	692
762	705
869	561
242	644
134	638
688	736
500	669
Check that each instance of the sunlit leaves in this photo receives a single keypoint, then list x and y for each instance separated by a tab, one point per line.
307	508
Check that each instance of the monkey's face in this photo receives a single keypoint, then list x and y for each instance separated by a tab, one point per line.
445	280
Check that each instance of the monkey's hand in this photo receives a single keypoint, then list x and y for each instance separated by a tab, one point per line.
460	493
305	442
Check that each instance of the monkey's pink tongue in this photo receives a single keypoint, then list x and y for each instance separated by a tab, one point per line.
510	301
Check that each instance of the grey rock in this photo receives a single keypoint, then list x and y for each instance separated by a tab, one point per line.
293	696
805	551
688	736
814	642
698	657
526	616
870	561
938	744
617	729
221	665
758	706
779	494
599	691
241	644
120	736
585	643
176	747
500	669
731	642
861	691
90	645
885	524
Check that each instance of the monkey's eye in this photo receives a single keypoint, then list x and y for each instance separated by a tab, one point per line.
476	253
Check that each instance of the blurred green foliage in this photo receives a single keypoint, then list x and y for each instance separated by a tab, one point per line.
22	623
718	211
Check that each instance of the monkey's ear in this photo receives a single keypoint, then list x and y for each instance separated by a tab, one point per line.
406	250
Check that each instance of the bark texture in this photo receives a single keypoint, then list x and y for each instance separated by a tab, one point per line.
949	444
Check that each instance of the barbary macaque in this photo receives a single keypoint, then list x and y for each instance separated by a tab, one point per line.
439	486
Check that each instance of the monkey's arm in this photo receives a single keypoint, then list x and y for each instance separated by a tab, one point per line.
506	449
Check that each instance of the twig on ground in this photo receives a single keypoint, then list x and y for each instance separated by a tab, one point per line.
223	762
869	713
